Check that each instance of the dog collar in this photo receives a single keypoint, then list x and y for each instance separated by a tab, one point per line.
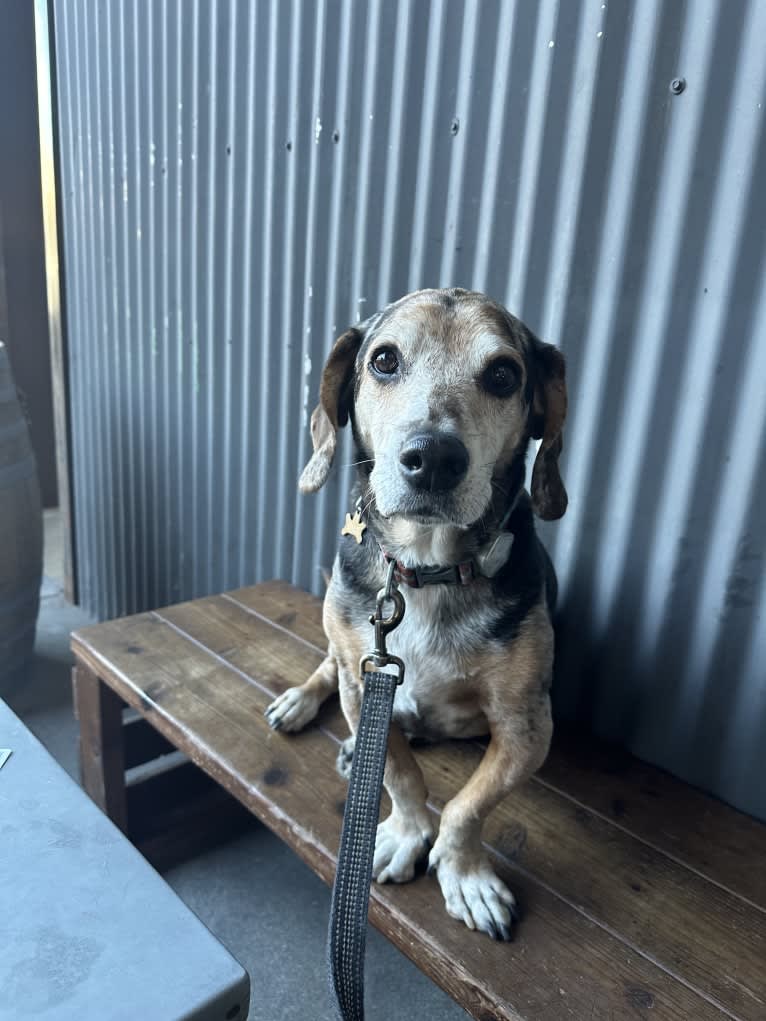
486	564
418	577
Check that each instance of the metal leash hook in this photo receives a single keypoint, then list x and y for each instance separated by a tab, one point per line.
351	889
380	656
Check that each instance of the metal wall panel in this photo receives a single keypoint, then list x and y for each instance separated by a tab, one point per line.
242	180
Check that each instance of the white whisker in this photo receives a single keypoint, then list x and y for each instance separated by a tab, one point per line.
367	507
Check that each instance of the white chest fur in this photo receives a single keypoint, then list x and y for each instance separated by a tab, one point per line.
439	676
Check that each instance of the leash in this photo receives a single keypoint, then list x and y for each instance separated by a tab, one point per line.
351	890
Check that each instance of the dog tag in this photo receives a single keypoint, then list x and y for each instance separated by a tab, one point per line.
492	557
354	526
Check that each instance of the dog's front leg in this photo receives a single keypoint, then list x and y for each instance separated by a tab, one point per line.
406	835
472	892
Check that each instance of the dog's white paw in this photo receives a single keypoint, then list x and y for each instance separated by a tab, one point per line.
346	757
292	710
474	894
399	846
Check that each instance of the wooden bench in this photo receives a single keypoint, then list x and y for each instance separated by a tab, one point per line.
642	897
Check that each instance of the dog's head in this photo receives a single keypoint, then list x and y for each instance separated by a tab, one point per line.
444	389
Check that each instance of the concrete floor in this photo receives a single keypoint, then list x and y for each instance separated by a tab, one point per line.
260	900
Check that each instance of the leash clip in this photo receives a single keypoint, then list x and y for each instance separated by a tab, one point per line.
380	656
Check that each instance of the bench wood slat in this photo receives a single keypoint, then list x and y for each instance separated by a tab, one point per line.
707	835
213	712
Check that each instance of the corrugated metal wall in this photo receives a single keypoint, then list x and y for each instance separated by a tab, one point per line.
242	180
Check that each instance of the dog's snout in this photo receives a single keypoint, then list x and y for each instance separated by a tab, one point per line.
433	461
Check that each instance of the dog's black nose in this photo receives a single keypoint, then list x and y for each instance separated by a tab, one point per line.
433	461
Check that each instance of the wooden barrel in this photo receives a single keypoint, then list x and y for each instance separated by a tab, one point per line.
21	531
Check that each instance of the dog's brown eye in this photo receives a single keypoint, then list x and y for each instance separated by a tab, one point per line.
385	362
501	378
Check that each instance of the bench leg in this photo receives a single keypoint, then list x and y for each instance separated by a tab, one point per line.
102	758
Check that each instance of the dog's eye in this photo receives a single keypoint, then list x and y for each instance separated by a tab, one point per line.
385	362
501	377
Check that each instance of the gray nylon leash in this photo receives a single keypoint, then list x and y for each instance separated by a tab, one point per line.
347	932
351	890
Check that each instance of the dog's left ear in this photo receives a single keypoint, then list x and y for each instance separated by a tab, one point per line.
549	409
331	413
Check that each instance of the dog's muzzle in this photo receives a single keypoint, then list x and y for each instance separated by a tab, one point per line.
433	462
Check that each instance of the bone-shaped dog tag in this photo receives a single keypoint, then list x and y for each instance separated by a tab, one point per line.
492	557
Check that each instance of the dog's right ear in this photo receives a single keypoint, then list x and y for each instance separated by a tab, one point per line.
549	409
331	413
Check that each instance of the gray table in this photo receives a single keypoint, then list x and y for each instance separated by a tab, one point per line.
88	929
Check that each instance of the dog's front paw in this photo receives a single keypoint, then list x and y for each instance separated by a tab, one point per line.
399	846
292	710
345	757
474	894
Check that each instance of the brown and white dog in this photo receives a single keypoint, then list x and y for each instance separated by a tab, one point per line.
444	390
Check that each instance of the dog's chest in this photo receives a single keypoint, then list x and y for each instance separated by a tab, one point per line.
439	697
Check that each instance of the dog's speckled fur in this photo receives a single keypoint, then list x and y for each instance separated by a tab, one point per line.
478	657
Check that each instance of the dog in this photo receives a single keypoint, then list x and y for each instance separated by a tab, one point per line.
444	390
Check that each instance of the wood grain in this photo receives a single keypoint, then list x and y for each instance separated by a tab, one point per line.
102	771
690	826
